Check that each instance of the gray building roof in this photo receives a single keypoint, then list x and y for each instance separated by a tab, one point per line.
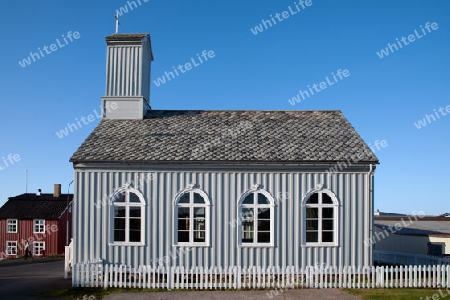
31	206
226	136
425	226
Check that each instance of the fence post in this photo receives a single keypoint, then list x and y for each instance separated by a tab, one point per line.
105	283
169	278
239	277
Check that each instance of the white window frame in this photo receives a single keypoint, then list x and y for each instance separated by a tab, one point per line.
191	189
10	247
255	190
37	247
320	190
40	225
12	222
127	206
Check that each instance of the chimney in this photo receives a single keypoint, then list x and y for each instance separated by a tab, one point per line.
128	61
57	190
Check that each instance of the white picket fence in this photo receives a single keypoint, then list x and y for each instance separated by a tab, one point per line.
68	259
113	276
401	258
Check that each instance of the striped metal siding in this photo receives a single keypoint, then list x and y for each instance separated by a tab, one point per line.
146	62
91	226
124	71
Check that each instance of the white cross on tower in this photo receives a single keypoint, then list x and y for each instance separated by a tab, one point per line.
117	22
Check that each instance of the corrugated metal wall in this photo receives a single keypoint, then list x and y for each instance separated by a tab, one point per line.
145	72
91	216
124	71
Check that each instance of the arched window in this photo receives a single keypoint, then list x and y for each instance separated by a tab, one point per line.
256	218
191	215
127	217
320	219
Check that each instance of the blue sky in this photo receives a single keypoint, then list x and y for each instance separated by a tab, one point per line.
382	97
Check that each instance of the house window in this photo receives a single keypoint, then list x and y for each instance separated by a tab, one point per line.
256	219
38	247
191	214
39	226
11	226
11	248
127	217
320	219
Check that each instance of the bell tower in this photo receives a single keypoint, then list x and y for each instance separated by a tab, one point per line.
128	62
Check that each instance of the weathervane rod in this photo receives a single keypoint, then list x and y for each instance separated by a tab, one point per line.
117	22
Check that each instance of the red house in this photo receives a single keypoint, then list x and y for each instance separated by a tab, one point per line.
44	220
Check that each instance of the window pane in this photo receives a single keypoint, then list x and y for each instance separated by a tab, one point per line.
326	199
199	212
247	226
198	198
199	236
247	237
327	236
119	235
263	237
249	199
119	212
312	212
199	224
327	212
312	224
135	235
327	224
135	212
119	223
183	236
262	199
183	212
313	199
134	198
263	225
247	214
183	224
184	198
135	224
264	213
119	197
312	237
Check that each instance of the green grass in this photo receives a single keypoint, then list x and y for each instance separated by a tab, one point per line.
400	294
373	294
99	293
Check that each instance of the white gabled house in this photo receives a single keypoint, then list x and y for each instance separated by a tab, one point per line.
216	188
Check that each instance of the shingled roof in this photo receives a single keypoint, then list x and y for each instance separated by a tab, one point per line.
226	136
31	206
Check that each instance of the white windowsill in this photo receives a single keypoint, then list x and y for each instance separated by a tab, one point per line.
126	244
191	245
320	245
256	246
